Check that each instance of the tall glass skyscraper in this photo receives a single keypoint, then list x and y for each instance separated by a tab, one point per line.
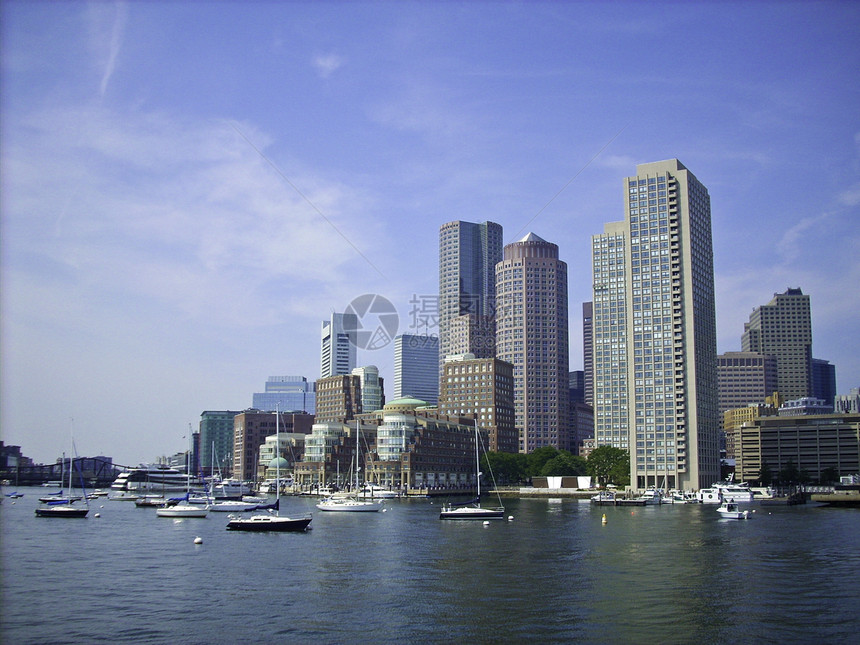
654	328
338	345
531	333
468	254
416	367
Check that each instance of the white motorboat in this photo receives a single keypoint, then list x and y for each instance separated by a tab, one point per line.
728	491
604	498
651	497
152	479
376	491
731	511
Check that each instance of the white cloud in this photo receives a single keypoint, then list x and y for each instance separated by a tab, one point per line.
107	27
327	64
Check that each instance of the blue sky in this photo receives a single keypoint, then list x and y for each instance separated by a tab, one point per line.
188	189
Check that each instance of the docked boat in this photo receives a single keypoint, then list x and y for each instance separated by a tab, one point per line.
603	498
375	491
183	508
473	510
150	500
728	491
271	521
152	479
651	497
731	511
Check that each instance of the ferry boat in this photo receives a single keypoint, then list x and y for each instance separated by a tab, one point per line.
154	479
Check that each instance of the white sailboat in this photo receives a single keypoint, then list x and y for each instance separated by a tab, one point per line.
351	503
184	508
473	510
272	521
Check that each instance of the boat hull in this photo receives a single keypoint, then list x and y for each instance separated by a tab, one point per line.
182	511
62	511
472	513
349	506
261	523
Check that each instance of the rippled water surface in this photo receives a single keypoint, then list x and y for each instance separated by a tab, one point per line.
555	574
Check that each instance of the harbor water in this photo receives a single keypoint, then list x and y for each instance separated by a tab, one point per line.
556	573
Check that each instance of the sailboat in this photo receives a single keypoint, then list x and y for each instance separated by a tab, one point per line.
351	503
184	508
472	510
272	521
63	507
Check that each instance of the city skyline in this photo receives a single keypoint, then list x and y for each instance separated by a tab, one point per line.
189	189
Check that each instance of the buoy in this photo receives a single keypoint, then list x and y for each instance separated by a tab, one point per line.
510	518
102	506
486	523
198	540
384	510
97	515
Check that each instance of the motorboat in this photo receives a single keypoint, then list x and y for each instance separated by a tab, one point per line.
152	479
651	497
731	511
727	490
603	498
376	491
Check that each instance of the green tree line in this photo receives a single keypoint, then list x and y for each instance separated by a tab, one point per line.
607	465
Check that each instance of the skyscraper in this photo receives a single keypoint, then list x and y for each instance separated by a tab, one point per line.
338	345
416	367
468	254
745	378
783	328
588	351
655	377
531	334
823	380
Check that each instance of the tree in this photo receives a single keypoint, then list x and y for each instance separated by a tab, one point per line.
829	475
765	475
564	464
506	467
609	464
537	459
790	474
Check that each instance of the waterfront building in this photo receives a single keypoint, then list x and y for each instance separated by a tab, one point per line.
483	387
338	398
416	367
286	393
419	447
783	328
287	446
330	455
216	441
532	335
845	403
733	420
803	406
338	341
813	443
372	388
823	380
468	254
250	429
588	351
654	327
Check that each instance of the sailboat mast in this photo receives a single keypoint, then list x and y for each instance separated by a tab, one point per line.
278	453
477	462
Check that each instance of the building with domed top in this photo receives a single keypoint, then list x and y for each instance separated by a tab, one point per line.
417	447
